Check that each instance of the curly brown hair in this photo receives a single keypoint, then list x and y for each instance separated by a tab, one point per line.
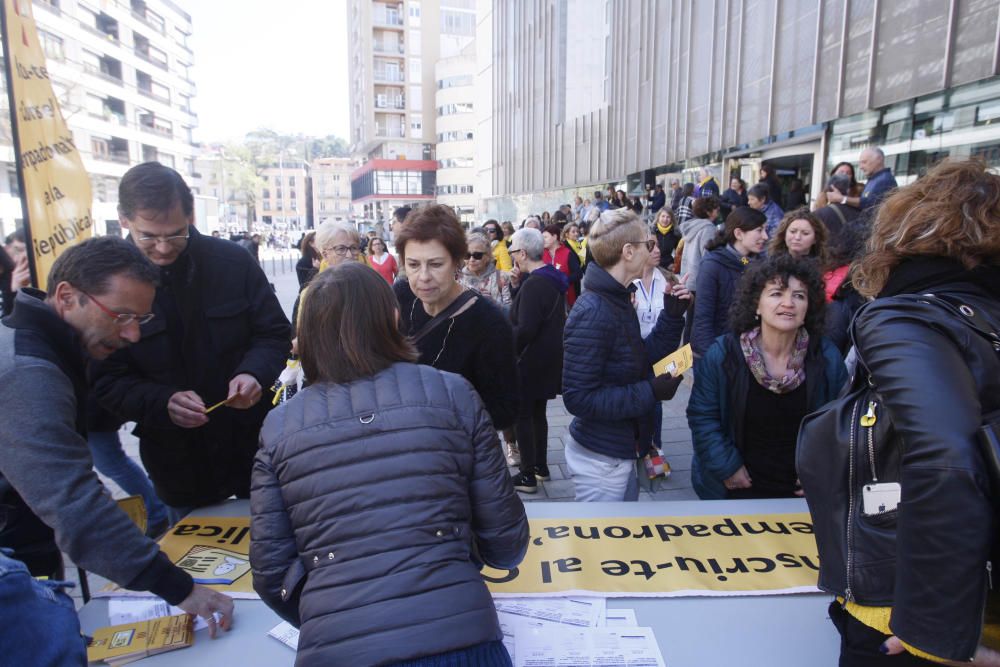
743	311
778	246
953	211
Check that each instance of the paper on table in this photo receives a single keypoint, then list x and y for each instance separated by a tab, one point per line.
621	618
576	611
133	610
541	645
285	633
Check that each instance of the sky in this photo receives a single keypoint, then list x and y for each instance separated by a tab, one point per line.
280	65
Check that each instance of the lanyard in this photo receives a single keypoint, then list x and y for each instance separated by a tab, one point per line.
648	296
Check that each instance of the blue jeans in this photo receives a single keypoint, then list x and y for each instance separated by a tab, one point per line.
110	459
600	478
38	623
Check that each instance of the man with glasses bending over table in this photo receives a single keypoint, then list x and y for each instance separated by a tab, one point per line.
195	383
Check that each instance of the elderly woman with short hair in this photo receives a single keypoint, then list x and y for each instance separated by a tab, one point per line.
538	316
337	242
480	272
608	382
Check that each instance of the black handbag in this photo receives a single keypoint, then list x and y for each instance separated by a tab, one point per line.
850	429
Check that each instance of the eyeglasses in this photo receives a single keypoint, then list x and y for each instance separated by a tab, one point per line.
491	230
175	239
649	243
475	255
343	250
121	319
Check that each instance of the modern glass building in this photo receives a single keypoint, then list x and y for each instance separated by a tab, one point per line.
631	92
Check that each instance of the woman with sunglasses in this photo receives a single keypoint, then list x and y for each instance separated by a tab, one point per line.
501	256
381	260
481	275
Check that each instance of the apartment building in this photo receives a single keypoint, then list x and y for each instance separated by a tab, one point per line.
394	49
331	188
222	178
283	199
121	70
455	102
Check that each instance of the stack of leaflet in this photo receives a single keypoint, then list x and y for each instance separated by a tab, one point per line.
121	644
579	631
549	632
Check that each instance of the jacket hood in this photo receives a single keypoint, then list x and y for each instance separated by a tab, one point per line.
600	281
558	278
692	226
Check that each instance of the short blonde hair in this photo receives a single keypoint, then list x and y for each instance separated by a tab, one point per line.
611	232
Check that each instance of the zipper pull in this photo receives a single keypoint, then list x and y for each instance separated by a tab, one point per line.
989	573
869	418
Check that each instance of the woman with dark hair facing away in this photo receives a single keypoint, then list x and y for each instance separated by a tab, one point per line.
453	328
759	199
562	257
308	265
912	572
684	206
378	492
770	179
801	234
753	386
740	242
538	316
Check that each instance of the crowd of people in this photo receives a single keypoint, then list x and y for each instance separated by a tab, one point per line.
426	364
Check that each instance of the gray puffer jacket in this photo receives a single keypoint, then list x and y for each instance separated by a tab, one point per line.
372	505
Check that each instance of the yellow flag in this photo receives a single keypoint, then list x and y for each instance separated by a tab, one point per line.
55	188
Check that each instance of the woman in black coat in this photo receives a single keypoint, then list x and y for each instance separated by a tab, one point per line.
538	315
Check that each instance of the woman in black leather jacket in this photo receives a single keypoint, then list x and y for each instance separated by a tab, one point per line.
912	581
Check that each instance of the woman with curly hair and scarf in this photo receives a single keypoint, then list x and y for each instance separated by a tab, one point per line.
754	385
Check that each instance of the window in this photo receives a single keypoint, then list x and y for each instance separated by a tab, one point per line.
458	23
455	82
454	135
15	188
291	183
52	45
449	109
100	148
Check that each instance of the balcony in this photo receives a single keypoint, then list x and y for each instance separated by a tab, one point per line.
389	76
390	102
151	23
149	59
386	47
156	129
145	92
390	19
391	132
100	72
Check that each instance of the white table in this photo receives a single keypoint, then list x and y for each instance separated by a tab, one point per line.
773	630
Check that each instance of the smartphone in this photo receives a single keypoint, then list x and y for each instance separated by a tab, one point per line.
880	498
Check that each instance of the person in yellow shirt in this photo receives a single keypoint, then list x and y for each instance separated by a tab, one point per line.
500	254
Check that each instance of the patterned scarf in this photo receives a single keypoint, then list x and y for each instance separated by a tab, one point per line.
750	344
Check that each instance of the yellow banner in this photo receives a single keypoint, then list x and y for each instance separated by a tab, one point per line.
754	554
215	551
665	556
56	188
